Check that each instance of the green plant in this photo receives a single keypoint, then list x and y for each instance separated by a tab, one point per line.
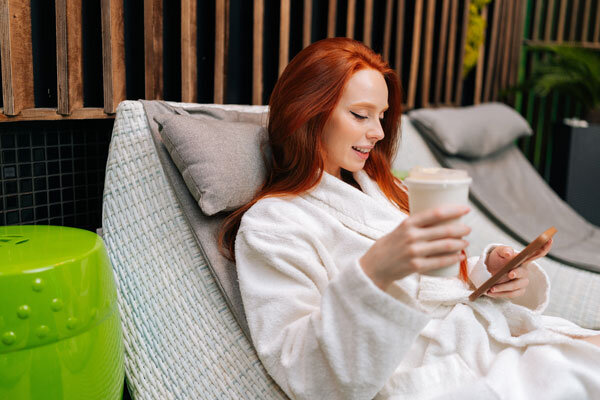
567	70
475	34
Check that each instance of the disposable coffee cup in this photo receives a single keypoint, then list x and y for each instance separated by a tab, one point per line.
430	187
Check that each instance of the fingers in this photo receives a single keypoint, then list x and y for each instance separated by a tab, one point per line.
437	247
457	230
519	272
437	215
424	264
507	295
503	289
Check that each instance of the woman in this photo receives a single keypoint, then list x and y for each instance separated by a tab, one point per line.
329	261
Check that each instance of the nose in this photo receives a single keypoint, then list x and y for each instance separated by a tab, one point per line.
376	132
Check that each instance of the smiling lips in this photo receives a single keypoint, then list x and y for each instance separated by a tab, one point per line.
362	152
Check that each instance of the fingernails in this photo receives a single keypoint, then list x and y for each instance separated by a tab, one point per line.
511	275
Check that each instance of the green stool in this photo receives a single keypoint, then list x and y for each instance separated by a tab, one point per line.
60	331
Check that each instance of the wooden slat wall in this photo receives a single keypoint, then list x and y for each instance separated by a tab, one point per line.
426	47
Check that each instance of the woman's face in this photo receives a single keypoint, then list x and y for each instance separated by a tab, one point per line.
354	127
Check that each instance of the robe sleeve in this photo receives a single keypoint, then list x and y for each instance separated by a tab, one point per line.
537	294
320	337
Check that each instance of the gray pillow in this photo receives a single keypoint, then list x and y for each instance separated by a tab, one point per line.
221	161
471	132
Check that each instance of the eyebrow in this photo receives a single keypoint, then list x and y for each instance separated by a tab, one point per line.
368	105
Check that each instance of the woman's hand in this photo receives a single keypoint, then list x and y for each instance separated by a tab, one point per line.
419	244
514	283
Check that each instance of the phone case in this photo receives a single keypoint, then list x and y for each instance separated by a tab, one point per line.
531	248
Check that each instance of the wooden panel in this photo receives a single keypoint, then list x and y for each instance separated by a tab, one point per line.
427	55
491	61
562	16
220	53
113	54
549	20
442	52
368	25
517	40
189	56
497	76
153	49
596	37
461	56
510	6
284	35
586	19
387	30
399	37
451	46
414	59
257	52
306	29
537	34
350	18
69	55
38	114
479	68
17	59
331	12
573	24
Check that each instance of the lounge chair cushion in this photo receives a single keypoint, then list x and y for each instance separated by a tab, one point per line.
471	132
218	156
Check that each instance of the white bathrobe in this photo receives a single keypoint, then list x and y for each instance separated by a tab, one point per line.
323	330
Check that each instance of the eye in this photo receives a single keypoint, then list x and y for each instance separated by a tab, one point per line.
358	116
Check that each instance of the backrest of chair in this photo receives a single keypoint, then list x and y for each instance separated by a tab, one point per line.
181	340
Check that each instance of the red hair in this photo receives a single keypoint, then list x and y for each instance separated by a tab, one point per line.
302	101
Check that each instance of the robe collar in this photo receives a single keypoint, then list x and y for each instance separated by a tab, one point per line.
368	211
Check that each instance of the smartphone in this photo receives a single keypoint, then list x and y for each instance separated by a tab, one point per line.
531	248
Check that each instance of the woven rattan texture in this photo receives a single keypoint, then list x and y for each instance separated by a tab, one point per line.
181	340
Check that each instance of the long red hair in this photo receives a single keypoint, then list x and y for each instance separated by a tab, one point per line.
302	101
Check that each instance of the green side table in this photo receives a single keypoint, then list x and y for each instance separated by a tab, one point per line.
60	331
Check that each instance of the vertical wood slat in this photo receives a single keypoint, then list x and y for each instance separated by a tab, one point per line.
414	59
153	49
387	30
561	21
510	5
399	37
596	37
451	46
113	54
351	15
586	20
463	40
492	51
284	35
257	52
536	34
368	25
16	54
573	24
521	14
427	55
479	68
220	39
497	76
549	20
69	55
331	17
189	60
442	52
306	28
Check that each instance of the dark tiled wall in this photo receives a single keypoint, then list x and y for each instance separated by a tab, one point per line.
52	172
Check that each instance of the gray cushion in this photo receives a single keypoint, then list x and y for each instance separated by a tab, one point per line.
220	160
471	132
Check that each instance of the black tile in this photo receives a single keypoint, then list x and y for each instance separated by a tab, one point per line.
26	200
52	153
2	220
39	169
51	138
12	218
41	198
79	179
41	212
67	180
54	182
23	140
65	137
24	170
53	168
37	139
65	152
7	140
12	202
67	194
55	210
9	172
55	221
39	154
9	156
79	164
69	220
54	196
24	155
26	185
81	206
68	208
10	187
80	192
27	215
66	166
39	184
